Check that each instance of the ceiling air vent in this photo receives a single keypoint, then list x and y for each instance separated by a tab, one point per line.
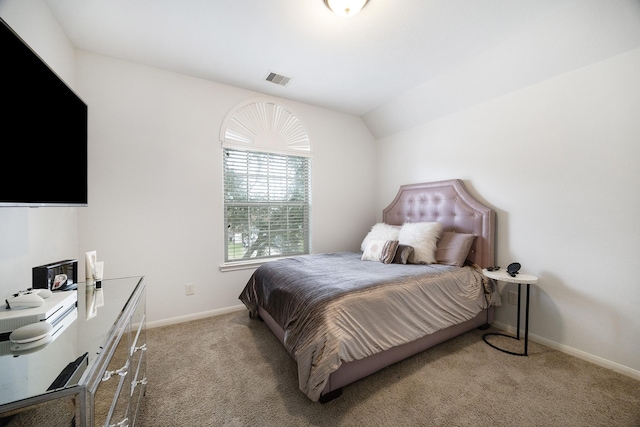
278	79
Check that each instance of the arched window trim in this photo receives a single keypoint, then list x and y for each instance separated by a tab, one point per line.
265	125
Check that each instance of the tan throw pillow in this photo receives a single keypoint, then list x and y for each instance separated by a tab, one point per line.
373	250
380	250
453	248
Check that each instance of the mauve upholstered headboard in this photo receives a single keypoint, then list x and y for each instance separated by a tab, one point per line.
449	203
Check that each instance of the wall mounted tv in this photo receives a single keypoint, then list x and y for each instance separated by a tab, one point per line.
44	131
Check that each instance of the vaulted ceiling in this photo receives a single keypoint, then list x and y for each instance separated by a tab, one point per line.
431	56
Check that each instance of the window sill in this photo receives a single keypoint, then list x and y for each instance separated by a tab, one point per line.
245	265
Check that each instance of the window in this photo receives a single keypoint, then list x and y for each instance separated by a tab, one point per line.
266	204
267	174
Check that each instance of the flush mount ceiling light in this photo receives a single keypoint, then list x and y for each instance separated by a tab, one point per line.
345	7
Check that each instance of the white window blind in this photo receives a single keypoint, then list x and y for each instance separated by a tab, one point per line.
266	204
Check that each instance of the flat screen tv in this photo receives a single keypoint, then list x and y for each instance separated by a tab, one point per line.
43	124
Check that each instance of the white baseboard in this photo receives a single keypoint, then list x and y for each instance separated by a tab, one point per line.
596	360
195	316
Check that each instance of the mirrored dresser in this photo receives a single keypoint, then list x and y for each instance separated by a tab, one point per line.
93	370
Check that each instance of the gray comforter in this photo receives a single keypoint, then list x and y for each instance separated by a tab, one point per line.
335	308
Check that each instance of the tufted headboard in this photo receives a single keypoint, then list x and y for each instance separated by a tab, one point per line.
449	203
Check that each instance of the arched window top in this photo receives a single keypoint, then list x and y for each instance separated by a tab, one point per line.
265	126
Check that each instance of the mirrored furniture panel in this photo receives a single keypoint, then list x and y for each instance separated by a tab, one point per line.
93	373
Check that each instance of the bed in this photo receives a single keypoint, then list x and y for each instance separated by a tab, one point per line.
416	283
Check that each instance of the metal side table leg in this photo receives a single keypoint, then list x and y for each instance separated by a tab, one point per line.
519	279
517	337
526	324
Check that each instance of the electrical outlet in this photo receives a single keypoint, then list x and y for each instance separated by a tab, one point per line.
513	297
190	288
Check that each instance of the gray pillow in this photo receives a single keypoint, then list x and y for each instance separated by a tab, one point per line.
402	254
453	248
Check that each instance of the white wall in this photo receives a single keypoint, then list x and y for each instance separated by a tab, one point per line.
559	163
155	182
36	236
576	34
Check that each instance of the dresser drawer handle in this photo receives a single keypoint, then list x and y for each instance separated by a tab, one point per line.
122	372
123	423
142	381
143	347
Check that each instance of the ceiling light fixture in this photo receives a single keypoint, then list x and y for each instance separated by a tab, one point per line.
345	8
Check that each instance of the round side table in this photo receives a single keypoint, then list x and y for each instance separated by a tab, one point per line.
520	279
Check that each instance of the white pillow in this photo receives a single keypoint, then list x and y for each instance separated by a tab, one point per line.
423	236
380	231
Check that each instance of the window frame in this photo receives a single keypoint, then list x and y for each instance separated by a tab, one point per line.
263	181
263	126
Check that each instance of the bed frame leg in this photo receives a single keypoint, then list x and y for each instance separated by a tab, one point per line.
324	398
484	327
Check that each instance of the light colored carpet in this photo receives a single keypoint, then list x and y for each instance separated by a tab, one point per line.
230	370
